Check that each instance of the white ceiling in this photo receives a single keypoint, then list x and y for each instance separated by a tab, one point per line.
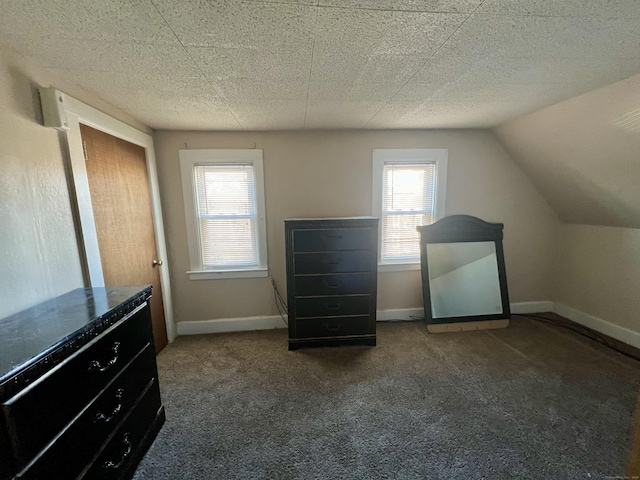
583	155
256	65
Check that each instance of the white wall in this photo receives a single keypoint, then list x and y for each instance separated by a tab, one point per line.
39	254
329	173
584	154
38	251
598	273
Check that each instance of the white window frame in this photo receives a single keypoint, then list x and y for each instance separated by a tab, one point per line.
188	160
407	156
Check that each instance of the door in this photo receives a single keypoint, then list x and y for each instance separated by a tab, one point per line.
121	201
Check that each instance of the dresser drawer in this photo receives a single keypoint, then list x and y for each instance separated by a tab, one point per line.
332	306
68	456
341	284
337	262
115	459
44	408
332	239
332	326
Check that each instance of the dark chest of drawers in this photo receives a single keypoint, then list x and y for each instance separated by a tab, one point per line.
331	281
79	392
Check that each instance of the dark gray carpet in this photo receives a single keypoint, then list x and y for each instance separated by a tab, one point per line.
531	401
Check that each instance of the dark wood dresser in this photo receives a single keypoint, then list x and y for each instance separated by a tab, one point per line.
331	281
79	386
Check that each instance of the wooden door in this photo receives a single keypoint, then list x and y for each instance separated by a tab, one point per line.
121	201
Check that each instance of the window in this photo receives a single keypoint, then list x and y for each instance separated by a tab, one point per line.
408	191
224	206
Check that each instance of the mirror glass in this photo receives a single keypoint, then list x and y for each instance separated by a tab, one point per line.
463	279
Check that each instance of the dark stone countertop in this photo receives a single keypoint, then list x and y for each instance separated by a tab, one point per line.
31	334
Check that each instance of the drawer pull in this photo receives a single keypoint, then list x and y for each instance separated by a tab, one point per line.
331	262
101	417
328	236
335	306
110	464
332	328
326	284
96	366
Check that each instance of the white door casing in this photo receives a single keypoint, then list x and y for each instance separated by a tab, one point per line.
66	114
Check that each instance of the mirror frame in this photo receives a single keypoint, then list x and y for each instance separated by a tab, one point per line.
459	229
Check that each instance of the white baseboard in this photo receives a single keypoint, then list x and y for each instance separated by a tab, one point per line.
221	325
240	324
407	313
399	314
623	334
532	307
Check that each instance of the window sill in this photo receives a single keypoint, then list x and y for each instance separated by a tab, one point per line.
398	267
222	274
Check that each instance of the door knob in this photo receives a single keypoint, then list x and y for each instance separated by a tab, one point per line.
157	263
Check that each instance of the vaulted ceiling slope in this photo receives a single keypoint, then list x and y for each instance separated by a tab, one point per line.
583	154
278	64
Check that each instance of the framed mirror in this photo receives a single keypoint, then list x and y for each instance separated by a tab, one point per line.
464	282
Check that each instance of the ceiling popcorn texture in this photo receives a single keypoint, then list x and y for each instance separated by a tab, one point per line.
271	65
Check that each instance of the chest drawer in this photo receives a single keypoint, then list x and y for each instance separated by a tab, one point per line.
332	239
49	404
118	457
333	306
335	262
331	280
68	456
333	326
340	284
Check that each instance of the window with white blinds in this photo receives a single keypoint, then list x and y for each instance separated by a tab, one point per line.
224	204
227	215
408	200
408	191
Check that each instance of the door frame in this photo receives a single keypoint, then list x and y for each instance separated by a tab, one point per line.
75	113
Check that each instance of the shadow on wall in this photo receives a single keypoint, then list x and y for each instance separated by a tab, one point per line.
602	203
25	95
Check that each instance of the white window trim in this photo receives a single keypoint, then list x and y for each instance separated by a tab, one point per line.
188	160
382	156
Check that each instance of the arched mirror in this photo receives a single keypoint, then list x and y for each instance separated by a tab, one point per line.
464	283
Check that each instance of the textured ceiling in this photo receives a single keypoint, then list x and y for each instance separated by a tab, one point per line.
200	64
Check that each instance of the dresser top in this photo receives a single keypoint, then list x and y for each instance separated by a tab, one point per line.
31	334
